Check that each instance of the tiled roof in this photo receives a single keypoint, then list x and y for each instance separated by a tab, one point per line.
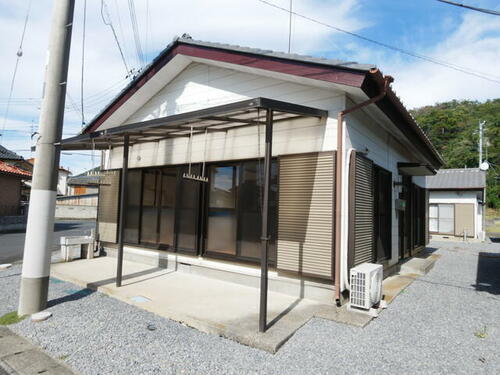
462	178
6	154
12	170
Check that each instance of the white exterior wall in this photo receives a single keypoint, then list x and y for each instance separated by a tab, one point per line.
62	182
457	196
364	134
201	86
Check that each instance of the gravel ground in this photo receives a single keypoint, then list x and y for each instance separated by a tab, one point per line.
432	327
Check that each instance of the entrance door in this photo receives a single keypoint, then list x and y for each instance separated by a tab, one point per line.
383	211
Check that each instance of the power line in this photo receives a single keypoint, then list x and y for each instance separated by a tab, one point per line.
104	9
485	76
135	30
290	29
19	55
83	57
482	10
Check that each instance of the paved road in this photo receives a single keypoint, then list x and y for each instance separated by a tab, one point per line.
12	244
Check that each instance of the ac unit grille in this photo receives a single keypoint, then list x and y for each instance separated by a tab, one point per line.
358	289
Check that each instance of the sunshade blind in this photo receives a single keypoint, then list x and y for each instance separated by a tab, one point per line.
107	212
363	242
306	183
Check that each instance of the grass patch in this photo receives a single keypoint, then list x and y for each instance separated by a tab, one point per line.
11	318
63	357
481	334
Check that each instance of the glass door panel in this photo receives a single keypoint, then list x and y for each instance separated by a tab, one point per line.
167	210
250	197
150	205
222	220
188	199
133	204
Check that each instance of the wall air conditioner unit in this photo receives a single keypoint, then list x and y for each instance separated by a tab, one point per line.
366	285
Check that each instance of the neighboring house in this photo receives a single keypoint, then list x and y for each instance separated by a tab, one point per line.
62	179
456	202
11	178
11	158
337	195
84	183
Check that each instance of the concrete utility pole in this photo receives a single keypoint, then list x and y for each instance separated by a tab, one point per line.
40	229
481	124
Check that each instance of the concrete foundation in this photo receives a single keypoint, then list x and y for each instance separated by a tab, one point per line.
246	275
207	304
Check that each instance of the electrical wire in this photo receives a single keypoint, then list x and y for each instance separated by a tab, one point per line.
83	58
482	10
135	30
104	9
485	76
19	55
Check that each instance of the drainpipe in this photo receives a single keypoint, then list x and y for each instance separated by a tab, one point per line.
338	176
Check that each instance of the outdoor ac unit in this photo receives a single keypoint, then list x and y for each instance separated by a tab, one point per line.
366	285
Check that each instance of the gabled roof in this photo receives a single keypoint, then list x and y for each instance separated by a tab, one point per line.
11	170
347	73
90	177
6	154
457	179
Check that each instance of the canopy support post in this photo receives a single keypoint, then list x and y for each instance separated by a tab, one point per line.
121	221
265	223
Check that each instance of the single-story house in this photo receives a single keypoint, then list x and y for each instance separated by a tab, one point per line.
11	178
84	183
227	157
456	202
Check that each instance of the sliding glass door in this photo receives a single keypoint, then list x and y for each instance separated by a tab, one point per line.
234	206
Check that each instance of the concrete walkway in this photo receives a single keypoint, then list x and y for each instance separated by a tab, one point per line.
19	356
209	305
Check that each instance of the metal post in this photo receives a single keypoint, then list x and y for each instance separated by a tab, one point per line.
121	221
265	223
481	124
40	228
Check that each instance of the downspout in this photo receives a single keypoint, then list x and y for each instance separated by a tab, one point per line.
338	176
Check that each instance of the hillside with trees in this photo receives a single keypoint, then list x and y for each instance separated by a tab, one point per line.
453	127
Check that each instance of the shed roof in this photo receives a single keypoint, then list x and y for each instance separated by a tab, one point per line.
457	179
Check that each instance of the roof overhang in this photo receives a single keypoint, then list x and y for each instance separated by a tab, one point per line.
220	118
353	78
416	169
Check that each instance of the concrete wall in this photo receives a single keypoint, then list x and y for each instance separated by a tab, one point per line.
10	194
201	86
9	223
458	196
76	212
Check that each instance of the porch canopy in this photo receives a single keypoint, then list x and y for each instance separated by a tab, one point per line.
250	112
220	118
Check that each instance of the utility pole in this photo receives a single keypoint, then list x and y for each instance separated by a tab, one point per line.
481	125
40	228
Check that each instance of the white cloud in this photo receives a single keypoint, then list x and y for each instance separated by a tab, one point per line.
475	44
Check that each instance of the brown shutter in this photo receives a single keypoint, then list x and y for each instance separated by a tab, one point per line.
363	241
306	183
464	219
426	216
107	212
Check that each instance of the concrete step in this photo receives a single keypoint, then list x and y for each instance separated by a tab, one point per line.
418	266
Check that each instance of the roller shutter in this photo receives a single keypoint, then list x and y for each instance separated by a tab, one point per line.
306	183
362	244
107	212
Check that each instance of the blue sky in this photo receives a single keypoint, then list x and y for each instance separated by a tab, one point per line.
463	37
